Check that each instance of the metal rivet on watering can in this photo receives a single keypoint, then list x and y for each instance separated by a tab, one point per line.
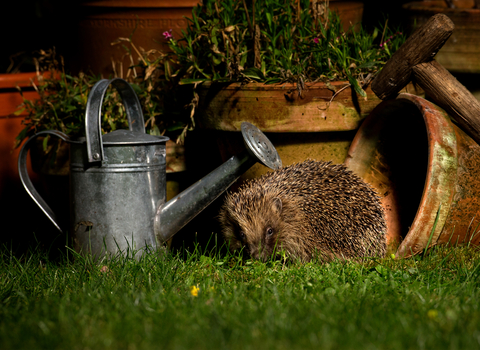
118	180
424	167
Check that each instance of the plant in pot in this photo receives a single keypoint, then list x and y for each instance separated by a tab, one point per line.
63	99
286	66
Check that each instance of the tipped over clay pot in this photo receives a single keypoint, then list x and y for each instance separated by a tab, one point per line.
426	170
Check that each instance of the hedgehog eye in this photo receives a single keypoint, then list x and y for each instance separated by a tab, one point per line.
269	231
242	235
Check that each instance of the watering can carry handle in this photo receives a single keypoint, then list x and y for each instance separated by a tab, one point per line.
25	179
93	119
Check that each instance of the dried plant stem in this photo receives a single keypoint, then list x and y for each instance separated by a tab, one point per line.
384	29
248	18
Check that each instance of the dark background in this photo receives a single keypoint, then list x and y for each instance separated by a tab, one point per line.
30	25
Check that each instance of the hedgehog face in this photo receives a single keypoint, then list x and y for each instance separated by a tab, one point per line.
255	229
260	243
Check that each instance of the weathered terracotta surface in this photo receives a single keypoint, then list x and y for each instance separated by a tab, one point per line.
421	164
350	12
15	205
463	223
104	21
461	53
10	127
279	108
10	98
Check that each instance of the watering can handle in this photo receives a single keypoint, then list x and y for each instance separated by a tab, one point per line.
93	116
27	183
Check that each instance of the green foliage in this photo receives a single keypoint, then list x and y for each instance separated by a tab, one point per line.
276	41
173	301
63	100
271	41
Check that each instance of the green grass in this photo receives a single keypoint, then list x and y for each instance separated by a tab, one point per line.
422	303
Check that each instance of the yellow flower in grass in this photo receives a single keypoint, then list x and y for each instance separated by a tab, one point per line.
194	290
432	314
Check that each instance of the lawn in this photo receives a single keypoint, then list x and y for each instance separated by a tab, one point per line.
207	300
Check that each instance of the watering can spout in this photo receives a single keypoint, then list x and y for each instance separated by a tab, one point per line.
177	212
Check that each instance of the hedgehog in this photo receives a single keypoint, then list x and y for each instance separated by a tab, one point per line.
308	209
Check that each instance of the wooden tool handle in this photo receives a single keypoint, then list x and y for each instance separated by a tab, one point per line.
420	47
451	95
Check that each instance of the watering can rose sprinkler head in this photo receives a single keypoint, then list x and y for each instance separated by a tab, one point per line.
118	180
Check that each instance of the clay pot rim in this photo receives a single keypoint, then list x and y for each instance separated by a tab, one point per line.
441	168
141	3
24	80
277	86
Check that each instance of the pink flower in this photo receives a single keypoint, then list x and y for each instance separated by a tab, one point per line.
168	35
316	40
390	39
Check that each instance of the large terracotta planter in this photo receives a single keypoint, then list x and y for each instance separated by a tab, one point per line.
14	205
11	125
421	164
279	108
312	125
461	53
102	22
350	12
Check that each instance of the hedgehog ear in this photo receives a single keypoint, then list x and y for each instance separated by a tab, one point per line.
277	205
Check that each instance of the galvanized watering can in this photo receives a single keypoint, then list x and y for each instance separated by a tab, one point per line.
118	180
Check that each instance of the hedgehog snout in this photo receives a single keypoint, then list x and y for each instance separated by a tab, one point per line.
256	250
259	254
259	251
253	251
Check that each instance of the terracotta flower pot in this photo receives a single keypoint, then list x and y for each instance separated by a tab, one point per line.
279	108
311	126
101	22
350	12
421	164
14	201
11	124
